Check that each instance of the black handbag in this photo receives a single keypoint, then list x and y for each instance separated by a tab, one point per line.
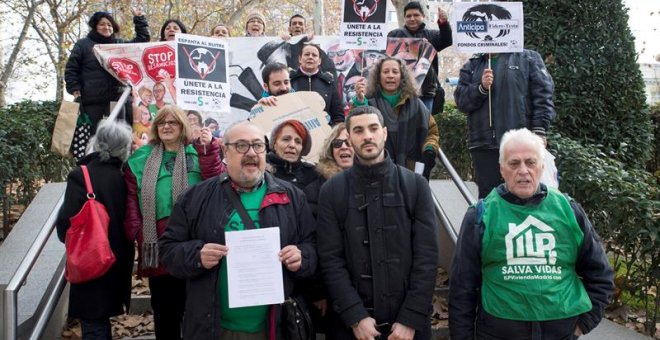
296	320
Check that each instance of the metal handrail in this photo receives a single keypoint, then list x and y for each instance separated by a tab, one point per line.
48	309
457	179
120	103
11	291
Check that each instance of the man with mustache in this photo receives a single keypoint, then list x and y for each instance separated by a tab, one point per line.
378	250
276	83
193	245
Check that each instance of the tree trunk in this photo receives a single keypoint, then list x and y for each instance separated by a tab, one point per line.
8	68
318	17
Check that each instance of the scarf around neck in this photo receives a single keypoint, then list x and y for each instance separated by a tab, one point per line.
149	181
99	39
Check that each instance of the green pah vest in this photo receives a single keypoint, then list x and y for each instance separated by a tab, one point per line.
528	260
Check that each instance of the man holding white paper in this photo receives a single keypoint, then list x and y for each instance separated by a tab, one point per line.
194	245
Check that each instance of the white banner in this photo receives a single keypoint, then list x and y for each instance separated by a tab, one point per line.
364	24
202	70
488	27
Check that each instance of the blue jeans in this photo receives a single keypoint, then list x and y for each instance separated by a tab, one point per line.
96	329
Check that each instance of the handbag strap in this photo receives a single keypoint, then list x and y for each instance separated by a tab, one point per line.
236	202
88	182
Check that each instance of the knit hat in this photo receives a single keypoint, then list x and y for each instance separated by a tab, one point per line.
257	15
300	130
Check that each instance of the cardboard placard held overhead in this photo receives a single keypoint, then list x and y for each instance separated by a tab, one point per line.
305	106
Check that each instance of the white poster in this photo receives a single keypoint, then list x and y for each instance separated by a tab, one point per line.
202	70
364	24
488	27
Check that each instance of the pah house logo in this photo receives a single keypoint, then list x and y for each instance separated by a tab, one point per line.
530	251
364	11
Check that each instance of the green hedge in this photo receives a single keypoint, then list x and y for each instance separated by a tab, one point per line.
453	141
25	158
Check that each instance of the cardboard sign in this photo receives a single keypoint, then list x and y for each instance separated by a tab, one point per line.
305	106
488	27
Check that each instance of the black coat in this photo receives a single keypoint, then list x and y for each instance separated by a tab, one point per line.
199	217
323	83
300	173
84	73
521	97
465	283
440	39
109	294
378	245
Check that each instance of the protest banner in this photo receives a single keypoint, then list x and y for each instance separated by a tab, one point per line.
305	106
150	68
364	24
488	27
202	69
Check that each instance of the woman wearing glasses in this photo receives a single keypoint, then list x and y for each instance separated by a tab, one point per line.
86	80
412	133
309	77
156	174
289	142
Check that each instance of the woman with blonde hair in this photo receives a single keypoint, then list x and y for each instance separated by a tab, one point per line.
156	174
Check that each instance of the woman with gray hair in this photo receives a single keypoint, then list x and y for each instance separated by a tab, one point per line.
95	301
412	132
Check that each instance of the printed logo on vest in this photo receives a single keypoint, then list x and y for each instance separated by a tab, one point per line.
530	252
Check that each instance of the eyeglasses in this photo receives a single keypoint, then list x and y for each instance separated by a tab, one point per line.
337	143
243	147
339	53
168	122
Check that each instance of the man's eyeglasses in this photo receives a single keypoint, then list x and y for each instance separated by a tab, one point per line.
243	147
339	53
337	143
168	122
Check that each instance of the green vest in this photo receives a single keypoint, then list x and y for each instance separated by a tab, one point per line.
242	319
164	201
528	260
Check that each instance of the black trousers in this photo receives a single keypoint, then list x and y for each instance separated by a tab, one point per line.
168	301
487	169
96	329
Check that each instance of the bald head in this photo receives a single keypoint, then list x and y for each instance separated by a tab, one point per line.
240	127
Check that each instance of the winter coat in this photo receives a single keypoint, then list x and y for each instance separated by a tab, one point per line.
209	165
300	173
440	39
199	216
521	97
326	168
323	83
84	73
413	134
465	283
378	245
109	294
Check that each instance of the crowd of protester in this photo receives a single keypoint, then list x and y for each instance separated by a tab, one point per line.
358	229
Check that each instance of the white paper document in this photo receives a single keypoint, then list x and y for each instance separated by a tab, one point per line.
254	270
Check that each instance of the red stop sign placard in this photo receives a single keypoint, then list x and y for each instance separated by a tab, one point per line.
158	60
126	69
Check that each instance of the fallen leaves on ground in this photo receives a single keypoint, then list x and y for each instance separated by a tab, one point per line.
129	326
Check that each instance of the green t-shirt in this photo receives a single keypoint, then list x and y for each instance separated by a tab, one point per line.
164	200
528	260
243	319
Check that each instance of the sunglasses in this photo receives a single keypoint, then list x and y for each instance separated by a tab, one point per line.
337	143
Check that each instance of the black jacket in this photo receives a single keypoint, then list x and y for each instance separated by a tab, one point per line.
84	73
440	39
107	295
323	83
200	215
300	173
465	284
378	245
521	97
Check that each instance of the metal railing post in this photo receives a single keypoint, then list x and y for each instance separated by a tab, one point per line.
457	179
11	291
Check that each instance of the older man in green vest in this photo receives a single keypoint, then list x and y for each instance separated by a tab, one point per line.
528	263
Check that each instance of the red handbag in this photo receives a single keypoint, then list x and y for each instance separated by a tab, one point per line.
88	253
